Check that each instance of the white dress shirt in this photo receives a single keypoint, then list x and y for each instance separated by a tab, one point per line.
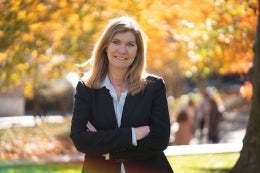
118	107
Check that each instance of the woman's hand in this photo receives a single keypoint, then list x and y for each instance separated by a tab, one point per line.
90	127
141	132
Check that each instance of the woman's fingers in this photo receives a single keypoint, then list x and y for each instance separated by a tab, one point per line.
141	132
90	127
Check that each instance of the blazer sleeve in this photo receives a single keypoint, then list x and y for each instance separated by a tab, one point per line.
94	143
158	138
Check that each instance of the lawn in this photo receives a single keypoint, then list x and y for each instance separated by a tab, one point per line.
41	168
51	139
206	163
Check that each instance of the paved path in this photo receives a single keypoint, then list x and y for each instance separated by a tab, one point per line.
232	133
203	149
27	120
232	128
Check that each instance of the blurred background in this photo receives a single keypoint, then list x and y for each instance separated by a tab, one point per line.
198	46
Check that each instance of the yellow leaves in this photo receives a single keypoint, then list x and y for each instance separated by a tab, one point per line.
222	38
73	19
189	34
34	53
53	30
17	143
28	37
2	57
218	51
1	34
62	4
21	15
15	5
32	17
41	59
193	56
226	19
41	8
28	89
88	23
157	63
50	32
34	27
15	77
22	67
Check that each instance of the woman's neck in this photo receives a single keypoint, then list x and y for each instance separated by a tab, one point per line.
116	78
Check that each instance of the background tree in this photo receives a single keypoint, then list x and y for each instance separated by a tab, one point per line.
208	39
43	40
250	154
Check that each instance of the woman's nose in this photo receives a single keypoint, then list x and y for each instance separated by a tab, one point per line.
122	49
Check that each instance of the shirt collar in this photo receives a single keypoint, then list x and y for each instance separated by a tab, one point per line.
106	83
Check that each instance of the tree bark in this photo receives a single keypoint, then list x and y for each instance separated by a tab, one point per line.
249	159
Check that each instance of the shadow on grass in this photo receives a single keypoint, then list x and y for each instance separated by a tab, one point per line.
76	167
41	168
213	170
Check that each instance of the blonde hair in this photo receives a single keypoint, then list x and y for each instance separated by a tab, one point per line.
135	76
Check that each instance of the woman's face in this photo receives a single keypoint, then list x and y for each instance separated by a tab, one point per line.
122	50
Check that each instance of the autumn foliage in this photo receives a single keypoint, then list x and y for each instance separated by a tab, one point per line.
42	40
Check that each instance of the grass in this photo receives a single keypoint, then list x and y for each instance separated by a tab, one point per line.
205	163
50	139
41	168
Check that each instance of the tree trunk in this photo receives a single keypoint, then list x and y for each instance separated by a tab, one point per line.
249	159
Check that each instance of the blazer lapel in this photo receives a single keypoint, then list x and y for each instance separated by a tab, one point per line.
108	104
129	106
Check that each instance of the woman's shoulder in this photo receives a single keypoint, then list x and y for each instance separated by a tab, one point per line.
82	83
82	86
153	78
154	81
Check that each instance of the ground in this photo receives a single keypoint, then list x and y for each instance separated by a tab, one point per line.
26	138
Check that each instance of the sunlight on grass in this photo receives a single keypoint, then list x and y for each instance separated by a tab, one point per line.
14	142
205	163
43	168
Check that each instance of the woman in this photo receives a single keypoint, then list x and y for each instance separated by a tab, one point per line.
184	132
120	117
215	117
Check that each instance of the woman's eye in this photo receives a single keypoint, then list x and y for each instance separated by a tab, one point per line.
131	44
115	42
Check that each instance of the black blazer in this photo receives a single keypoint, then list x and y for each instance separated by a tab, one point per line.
148	107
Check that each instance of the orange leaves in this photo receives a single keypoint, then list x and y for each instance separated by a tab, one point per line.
223	43
28	37
226	19
42	142
192	36
2	57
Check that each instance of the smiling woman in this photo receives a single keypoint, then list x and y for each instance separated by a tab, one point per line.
120	117
121	51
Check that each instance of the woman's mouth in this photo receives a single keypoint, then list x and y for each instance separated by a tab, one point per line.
120	58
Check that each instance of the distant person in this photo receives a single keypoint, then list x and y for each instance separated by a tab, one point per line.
246	91
215	116
204	111
120	118
184	133
192	111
